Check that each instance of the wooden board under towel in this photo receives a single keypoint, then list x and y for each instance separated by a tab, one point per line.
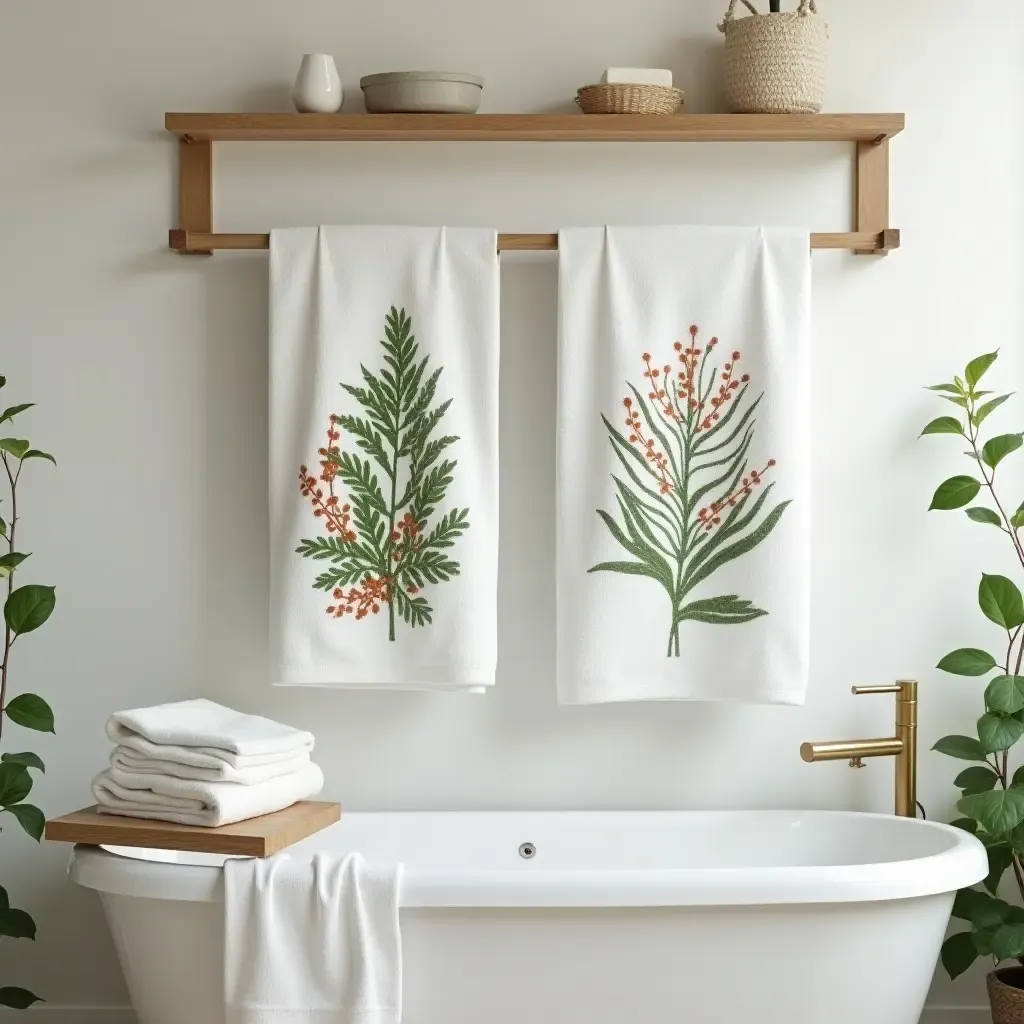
257	837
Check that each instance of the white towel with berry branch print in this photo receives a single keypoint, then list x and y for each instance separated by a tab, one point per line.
683	464
384	457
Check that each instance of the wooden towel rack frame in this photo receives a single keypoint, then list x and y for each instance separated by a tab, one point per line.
198	132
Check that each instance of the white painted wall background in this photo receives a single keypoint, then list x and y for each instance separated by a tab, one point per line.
150	372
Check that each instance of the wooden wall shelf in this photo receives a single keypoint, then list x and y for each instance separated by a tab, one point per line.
197	134
534	127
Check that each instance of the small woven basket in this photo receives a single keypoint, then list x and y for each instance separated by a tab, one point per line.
775	63
1006	995
624	98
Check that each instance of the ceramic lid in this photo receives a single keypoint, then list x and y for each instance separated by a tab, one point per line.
388	77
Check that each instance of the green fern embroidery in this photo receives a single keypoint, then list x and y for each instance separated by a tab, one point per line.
685	499
380	546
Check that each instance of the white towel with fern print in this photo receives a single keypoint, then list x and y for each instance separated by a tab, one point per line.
683	464
384	457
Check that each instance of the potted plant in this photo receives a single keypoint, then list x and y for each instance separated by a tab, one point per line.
26	608
992	789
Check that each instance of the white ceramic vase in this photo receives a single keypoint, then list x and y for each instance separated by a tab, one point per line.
318	88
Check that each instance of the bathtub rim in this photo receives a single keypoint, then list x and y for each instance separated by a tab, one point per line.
964	863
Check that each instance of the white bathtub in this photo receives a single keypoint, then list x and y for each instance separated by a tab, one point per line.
618	918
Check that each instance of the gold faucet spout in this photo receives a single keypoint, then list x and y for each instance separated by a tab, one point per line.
845	750
902	746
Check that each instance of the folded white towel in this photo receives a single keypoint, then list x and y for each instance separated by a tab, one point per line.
208	727
199	757
129	760
190	802
312	941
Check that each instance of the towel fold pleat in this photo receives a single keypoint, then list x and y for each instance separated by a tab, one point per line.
128	760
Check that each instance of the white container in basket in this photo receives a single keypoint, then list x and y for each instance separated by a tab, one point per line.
775	63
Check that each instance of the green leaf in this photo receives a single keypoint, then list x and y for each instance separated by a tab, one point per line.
1008	942
964	747
1000	857
35	453
958	953
998	812
955	492
15	783
28	759
976	367
956	400
986	410
1005	694
13	446
967	661
627	568
10	413
999	732
3	528
978	907
16	924
965	825
976	779
984	515
1001	601
1017	519
740	547
728	610
17	998
11	561
30	711
950	389
31	819
29	607
999	447
943	425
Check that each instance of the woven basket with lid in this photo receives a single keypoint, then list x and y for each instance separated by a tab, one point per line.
775	63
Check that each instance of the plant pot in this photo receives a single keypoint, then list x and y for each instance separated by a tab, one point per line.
775	63
1006	995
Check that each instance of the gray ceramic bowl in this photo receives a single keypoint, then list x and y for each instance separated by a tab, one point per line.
422	92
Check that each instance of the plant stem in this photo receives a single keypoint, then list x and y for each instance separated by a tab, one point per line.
391	574
972	437
8	638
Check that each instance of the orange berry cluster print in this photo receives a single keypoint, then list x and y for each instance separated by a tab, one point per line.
379	542
686	496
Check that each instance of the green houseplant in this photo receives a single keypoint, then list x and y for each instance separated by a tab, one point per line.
26	608
991	803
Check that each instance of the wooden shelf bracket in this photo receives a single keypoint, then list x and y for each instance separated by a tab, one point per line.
197	133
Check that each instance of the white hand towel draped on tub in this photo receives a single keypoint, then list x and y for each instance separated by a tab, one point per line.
384	456
311	941
683	464
192	802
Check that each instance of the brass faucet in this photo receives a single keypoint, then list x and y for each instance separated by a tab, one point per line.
902	746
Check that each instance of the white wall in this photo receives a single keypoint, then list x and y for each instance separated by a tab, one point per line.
150	372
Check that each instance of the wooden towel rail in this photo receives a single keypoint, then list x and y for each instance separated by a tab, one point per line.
208	241
197	133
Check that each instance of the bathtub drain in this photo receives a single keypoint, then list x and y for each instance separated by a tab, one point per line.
527	850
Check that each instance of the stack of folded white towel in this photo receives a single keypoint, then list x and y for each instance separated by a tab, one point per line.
195	762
